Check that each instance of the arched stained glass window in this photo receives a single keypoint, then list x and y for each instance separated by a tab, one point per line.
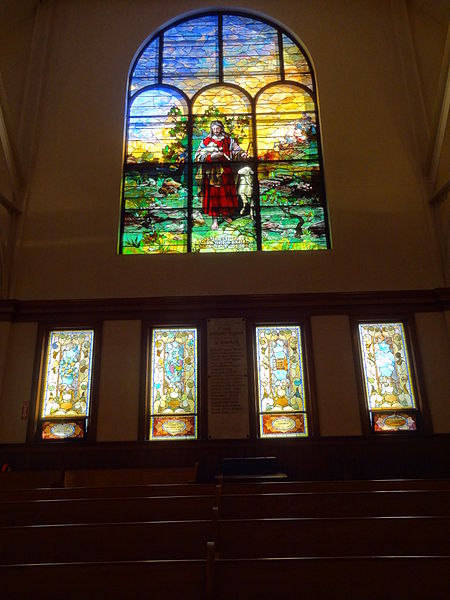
222	144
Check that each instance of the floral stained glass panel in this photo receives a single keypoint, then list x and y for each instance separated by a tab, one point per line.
67	384
281	390
396	421
173	386
387	377
63	430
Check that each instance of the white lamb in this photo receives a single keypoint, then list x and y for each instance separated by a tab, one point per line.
245	189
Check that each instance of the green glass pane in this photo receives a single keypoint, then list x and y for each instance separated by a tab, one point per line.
387	374
291	227
67	383
281	393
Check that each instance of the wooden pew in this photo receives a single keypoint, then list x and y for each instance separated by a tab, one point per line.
347	578
105	510
170	580
113	477
337	504
167	540
19	480
123	491
396	536
357	485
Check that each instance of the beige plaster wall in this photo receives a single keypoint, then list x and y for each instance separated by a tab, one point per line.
69	242
119	391
337	393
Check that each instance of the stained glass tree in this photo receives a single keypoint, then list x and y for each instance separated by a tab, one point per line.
388	383
256	183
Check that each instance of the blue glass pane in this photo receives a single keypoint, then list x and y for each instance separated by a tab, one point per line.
146	69
157	127
250	53
191	53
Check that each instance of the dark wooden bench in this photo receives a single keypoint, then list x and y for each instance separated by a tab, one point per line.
396	536
118	541
124	491
170	580
113	477
335	504
20	480
105	510
349	578
356	485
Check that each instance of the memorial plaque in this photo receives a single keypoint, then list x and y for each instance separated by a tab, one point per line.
227	379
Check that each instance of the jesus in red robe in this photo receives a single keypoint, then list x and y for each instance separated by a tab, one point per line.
217	150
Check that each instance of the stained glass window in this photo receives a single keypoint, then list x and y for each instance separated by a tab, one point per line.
280	382
222	144
66	385
173	384
388	383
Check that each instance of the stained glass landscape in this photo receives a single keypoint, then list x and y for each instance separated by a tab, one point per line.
223	151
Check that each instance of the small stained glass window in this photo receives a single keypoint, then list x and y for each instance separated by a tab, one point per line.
173	384
388	383
66	389
280	380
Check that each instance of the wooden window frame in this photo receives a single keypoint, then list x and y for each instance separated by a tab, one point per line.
35	421
423	422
